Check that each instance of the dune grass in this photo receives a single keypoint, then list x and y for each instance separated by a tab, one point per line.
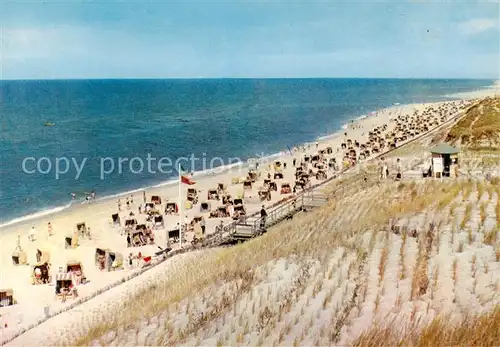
413	148
484	158
491	237
480	127
467	215
482	330
308	236
497	207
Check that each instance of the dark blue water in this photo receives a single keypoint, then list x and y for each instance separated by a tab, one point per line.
208	118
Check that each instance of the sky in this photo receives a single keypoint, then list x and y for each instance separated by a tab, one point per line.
208	39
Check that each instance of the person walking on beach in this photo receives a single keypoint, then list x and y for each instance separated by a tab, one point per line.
144	196
131	199
202	225
219	228
32	234
398	169
263	216
119	205
18	246
383	169
49	229
130	260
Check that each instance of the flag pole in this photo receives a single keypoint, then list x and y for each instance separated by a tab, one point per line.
180	207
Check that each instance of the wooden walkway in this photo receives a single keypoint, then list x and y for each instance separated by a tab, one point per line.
254	225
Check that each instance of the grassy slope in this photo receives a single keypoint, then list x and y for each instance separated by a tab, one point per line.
478	134
480	127
481	330
312	236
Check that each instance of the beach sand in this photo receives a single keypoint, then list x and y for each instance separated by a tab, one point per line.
33	300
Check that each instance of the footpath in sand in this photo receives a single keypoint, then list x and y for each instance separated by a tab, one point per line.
34	300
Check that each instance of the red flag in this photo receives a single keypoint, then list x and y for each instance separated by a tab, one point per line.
187	180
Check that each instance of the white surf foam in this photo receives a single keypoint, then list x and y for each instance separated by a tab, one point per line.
36	215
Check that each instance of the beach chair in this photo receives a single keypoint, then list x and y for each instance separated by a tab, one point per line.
115	219
19	257
204	207
155	199
171	208
158	221
7	297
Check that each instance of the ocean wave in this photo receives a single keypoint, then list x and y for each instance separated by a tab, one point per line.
170	182
324	137
273	156
329	137
122	194
36	215
218	169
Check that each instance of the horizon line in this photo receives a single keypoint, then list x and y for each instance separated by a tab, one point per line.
242	78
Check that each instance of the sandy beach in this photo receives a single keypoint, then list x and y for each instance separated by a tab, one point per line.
34	301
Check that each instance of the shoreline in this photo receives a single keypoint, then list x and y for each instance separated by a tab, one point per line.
492	90
72	205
